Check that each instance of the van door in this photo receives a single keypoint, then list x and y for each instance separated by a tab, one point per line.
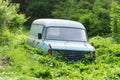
33	38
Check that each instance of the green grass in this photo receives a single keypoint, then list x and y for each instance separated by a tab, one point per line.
18	61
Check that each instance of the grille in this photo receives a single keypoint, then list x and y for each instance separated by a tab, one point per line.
73	55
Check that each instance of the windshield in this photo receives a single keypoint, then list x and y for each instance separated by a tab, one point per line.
66	34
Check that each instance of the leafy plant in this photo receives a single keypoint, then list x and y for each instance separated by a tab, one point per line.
9	20
115	20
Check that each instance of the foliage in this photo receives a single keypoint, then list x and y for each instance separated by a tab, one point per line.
9	17
40	9
115	20
68	10
19	61
98	16
93	14
106	46
9	20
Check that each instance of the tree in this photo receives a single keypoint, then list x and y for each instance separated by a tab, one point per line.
94	14
40	9
101	18
10	20
23	5
35	9
67	10
115	20
8	15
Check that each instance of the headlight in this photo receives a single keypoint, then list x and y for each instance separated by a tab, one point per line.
49	52
52	52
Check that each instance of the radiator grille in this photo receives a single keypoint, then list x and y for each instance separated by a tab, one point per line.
73	55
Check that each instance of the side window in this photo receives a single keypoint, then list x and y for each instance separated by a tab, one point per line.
35	29
32	30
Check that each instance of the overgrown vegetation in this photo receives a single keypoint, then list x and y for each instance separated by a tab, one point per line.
18	61
115	21
100	17
9	19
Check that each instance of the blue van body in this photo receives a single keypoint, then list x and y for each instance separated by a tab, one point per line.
58	35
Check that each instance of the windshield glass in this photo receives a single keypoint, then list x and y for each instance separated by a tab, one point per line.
66	34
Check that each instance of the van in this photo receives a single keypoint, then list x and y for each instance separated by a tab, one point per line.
61	36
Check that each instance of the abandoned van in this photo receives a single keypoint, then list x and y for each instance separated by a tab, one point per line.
60	36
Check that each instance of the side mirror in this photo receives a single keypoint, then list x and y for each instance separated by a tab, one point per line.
92	44
39	36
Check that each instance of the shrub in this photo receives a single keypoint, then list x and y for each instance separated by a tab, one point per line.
106	46
9	19
43	74
9	16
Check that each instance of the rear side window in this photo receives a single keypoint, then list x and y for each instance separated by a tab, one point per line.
35	29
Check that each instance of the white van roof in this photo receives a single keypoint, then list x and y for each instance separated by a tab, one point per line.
58	22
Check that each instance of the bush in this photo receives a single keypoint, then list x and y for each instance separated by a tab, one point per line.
9	16
43	74
106	46
10	20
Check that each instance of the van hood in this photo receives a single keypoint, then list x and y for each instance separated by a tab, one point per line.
70	45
